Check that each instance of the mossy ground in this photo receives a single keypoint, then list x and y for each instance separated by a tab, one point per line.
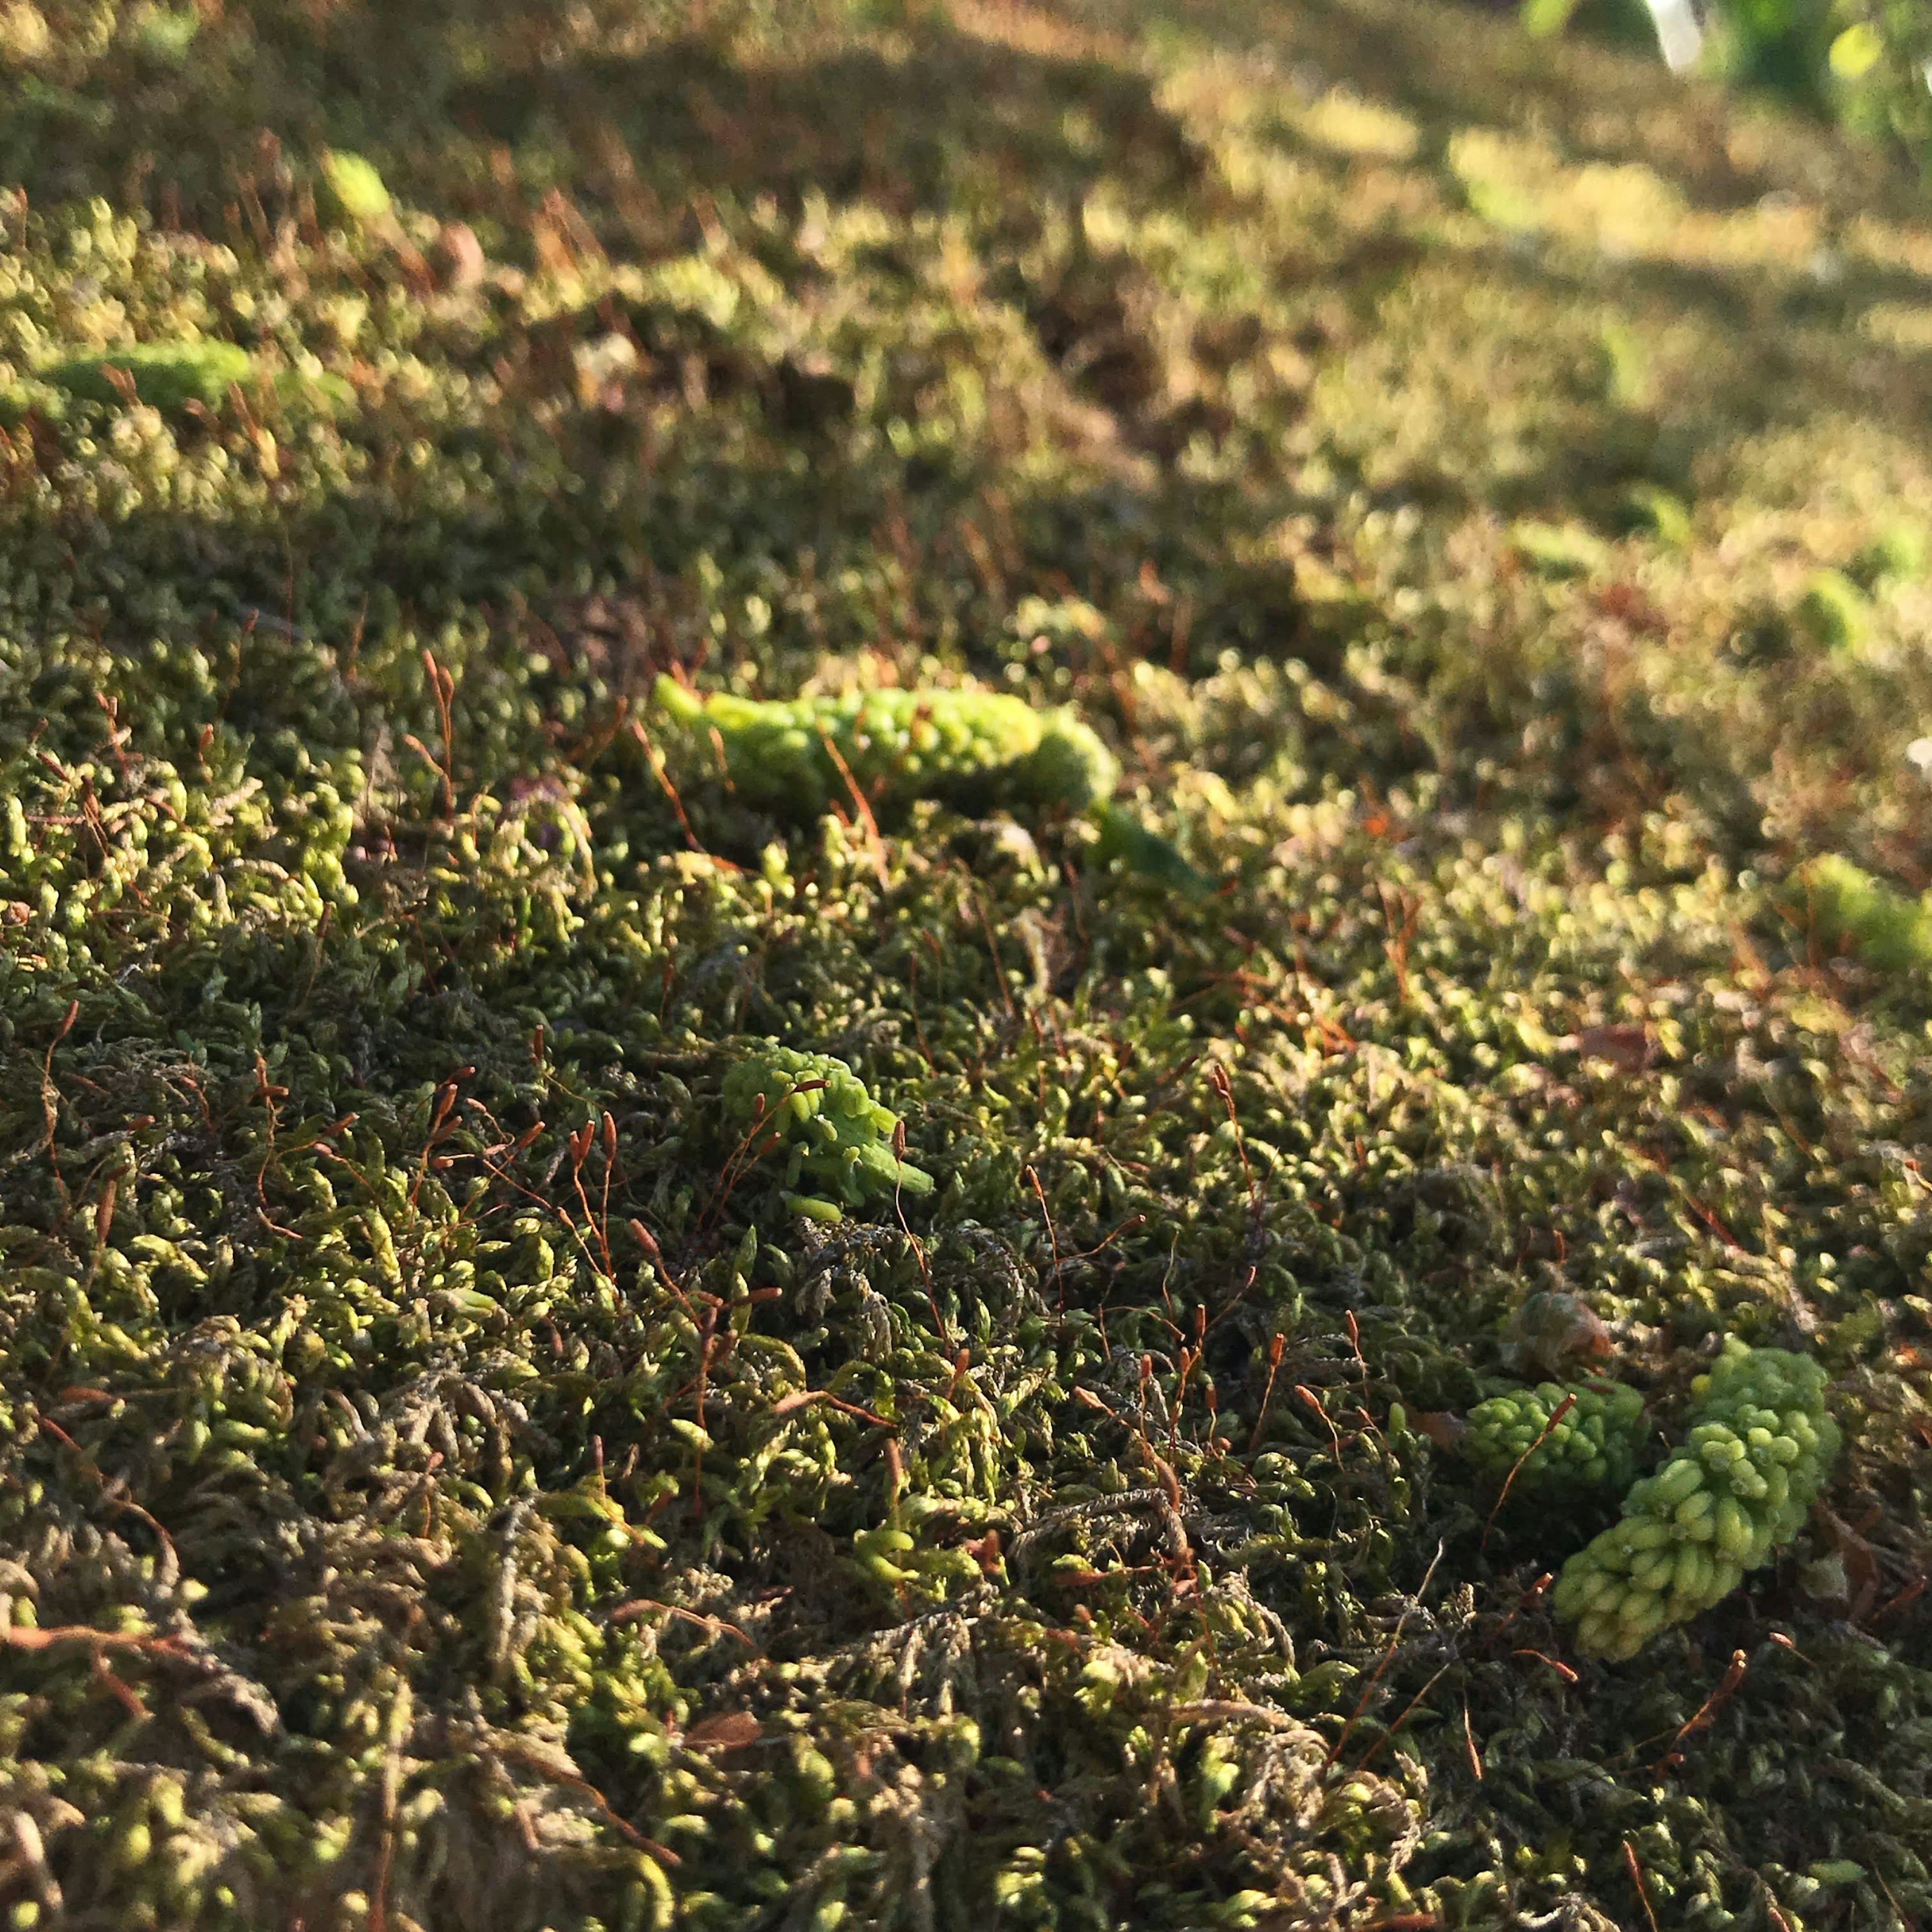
440	1487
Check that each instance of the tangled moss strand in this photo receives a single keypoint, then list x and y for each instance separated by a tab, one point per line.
1595	1443
1760	1445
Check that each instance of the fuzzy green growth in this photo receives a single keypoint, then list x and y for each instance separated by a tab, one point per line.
1647	508
355	190
1595	1442
1759	1447
1848	908
1834	612
816	1112
974	749
1897	555
168	375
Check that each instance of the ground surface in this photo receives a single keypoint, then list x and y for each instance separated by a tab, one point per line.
439	1486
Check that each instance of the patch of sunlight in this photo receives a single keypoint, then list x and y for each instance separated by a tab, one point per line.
1518	184
1887	245
1898	325
1351	125
1624	211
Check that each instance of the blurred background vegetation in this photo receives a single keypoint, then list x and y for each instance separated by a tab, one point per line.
1865	64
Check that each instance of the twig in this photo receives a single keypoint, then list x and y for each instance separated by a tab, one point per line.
1636	1879
1708	1710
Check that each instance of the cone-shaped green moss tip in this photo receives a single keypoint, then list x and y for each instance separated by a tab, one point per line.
1897	555
821	1122
1760	1446
1834	612
674	701
355	189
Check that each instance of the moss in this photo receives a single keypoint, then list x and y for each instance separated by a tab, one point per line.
810	1108
168	375
1834	613
1553	1438
1761	1444
1845	906
448	1472
355	189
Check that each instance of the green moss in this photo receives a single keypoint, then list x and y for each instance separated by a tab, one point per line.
1845	906
1897	555
167	375
970	746
1834	613
815	1112
1553	1438
454	1468
1761	1444
355	189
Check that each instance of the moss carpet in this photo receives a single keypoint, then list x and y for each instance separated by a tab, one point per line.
451	1477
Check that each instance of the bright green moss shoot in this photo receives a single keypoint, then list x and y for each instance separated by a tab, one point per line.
830	1129
168	375
974	749
1847	907
1593	1445
1760	1445
970	746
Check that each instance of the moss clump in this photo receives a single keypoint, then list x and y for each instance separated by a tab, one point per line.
1834	612
1760	1445
1599	1432
168	375
814	1110
1895	556
974	749
355	190
1846	907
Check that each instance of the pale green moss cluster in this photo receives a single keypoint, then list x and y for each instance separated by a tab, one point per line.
974	749
974	746
1594	1442
168	375
1847	907
1760	1444
828	1129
